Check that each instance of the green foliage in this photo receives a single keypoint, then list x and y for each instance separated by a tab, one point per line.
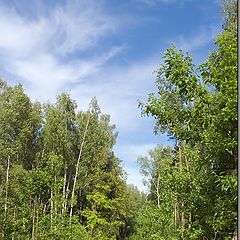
40	148
196	106
153	223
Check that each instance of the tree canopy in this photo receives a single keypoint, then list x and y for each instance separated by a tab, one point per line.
193	186
60	178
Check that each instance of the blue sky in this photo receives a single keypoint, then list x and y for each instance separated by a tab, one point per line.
103	48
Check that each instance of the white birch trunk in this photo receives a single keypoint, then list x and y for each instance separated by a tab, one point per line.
6	191
33	219
51	210
64	191
158	194
66	197
77	166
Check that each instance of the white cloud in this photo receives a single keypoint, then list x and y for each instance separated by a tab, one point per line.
77	26
133	151
194	42
48	76
20	38
81	24
117	90
153	3
36	51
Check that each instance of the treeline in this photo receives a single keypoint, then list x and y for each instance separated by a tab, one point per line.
59	177
193	186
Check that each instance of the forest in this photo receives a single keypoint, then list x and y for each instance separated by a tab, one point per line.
60	178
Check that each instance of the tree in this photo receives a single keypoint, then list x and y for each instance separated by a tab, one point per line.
198	108
20	121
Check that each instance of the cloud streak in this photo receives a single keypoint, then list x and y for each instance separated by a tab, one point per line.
153	3
194	42
39	51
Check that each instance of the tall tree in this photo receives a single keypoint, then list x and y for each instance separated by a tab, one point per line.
198	108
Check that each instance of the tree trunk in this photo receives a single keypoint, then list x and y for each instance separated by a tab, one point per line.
37	215
55	205
182	219
77	166
52	204
158	194
189	220
64	190
175	217
180	158
235	235
44	209
14	217
6	191
186	160
33	219
51	210
66	196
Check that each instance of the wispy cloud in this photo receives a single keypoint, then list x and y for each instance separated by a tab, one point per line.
152	3
80	25
43	51
133	151
204	36
117	89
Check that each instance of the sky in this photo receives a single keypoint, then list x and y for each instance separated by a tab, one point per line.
108	49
